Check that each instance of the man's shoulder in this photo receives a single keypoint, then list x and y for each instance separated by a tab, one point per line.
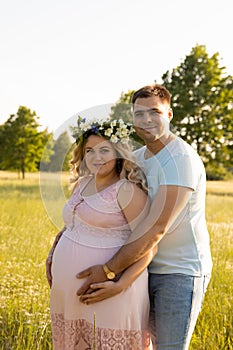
139	152
181	147
185	157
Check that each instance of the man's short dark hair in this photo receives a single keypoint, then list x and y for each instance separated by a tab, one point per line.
152	90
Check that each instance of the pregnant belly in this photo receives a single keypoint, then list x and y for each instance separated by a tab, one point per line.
71	258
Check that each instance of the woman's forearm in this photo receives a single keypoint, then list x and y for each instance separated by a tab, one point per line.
56	240
50	256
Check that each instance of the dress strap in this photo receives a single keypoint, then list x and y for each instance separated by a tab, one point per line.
82	182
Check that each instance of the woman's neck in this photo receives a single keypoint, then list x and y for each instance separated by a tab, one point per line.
102	182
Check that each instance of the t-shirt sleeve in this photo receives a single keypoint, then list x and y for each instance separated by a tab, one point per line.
180	170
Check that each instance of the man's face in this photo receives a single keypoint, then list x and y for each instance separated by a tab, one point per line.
151	118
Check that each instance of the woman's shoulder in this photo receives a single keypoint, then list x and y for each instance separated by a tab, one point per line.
81	182
129	191
125	184
131	186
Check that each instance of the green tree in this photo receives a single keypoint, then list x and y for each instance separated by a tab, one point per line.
123	108
202	100
61	156
21	142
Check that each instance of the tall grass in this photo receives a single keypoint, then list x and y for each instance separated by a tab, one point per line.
214	329
26	234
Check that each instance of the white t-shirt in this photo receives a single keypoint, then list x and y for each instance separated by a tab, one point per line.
185	247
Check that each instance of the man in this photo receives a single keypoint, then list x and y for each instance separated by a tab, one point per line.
180	271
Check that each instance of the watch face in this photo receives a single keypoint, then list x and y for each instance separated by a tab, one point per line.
111	275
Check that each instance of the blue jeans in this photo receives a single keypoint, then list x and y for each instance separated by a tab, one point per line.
176	301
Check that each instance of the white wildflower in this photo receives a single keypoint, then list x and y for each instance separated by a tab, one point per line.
114	139
108	132
84	126
124	140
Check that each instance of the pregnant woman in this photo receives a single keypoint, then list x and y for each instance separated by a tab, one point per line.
109	199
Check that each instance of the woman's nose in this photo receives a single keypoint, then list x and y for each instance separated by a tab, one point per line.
97	155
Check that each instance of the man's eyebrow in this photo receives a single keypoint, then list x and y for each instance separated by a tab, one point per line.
140	110
153	109
147	110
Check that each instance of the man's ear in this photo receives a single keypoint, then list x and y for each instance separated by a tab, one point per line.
170	113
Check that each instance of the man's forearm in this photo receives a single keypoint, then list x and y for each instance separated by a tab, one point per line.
134	251
165	209
144	237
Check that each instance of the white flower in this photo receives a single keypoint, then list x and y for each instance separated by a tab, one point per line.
84	126
124	140
122	132
108	132
114	139
131	130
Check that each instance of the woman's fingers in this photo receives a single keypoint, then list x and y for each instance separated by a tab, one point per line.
100	292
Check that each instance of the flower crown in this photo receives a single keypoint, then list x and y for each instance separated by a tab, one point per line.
114	130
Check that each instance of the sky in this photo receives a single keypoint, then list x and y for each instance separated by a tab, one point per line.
61	58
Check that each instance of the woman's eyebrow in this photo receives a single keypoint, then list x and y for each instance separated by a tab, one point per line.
89	147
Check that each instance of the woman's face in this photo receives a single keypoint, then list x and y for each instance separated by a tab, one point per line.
100	156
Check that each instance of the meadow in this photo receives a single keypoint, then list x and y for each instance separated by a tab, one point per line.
26	233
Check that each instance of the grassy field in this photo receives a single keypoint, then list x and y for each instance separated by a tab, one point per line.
26	233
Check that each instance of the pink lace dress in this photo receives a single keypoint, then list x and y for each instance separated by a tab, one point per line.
95	229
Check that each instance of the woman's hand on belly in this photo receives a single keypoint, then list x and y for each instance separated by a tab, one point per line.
101	291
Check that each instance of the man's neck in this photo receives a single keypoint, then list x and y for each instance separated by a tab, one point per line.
156	146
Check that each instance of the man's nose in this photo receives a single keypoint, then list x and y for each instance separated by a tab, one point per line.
147	116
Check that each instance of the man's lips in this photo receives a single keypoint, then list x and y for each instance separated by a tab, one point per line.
147	128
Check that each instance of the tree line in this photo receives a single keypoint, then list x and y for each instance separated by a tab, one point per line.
24	147
202	102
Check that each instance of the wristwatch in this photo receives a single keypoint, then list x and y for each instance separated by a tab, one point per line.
109	274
